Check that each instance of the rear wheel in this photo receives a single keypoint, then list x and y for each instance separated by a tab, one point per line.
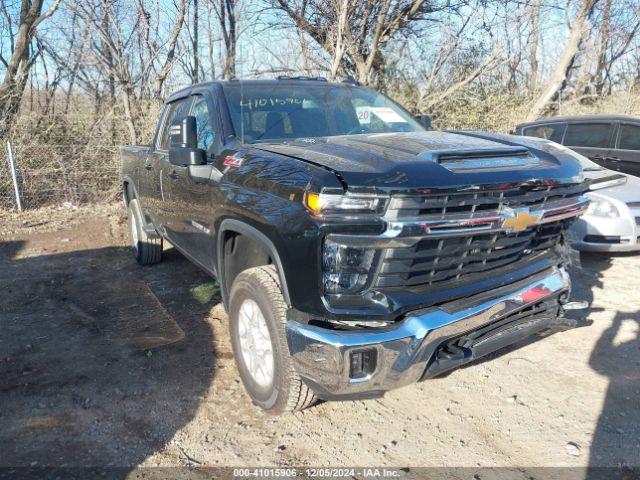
257	312
147	249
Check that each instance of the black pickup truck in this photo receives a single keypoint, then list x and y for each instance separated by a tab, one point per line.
356	250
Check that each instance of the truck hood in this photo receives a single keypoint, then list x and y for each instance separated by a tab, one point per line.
393	161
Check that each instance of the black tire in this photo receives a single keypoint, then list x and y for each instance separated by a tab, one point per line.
147	250
286	392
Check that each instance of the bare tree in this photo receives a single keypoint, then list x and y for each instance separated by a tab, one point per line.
226	12
21	60
368	28
617	30
191	58
130	48
489	63
559	76
342	9
533	46
171	50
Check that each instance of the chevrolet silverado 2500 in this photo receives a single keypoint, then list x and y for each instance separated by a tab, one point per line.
356	250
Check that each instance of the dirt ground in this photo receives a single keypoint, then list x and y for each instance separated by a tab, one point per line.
105	363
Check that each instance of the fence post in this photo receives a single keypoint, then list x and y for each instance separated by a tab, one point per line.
14	176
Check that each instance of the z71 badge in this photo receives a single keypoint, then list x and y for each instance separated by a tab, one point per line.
233	161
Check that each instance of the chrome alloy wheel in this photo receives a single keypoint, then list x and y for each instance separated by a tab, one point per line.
255	343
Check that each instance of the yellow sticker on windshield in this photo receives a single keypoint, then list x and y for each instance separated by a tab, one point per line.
387	115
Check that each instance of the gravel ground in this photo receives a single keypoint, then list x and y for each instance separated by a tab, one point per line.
105	363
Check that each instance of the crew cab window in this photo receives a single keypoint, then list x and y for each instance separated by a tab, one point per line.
204	125
552	131
629	137
595	135
177	109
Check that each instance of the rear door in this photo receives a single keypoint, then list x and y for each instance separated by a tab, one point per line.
591	139
626	154
149	182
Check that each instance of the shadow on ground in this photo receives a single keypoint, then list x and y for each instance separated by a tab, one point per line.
616	355
615	447
101	361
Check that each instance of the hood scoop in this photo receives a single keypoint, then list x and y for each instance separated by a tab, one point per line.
503	158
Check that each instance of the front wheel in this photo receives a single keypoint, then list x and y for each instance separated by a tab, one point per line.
257	312
147	250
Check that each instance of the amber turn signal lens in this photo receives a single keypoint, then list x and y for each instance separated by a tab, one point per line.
312	200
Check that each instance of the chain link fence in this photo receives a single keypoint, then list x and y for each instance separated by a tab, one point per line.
54	174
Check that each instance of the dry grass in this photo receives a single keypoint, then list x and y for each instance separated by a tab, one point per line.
501	111
74	156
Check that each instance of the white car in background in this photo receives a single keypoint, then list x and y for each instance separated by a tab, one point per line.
612	222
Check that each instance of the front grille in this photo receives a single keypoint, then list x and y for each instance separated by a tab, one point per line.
470	257
476	204
461	258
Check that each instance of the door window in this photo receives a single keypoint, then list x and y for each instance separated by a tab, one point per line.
629	137
594	135
173	111
204	125
552	131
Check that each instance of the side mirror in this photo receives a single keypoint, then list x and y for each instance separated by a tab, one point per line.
184	149
425	120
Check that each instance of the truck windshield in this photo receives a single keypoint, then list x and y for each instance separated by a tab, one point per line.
281	112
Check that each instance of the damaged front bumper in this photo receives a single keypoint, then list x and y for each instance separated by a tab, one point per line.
339	364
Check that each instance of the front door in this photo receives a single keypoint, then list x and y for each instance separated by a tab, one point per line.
591	139
626	155
162	169
192	212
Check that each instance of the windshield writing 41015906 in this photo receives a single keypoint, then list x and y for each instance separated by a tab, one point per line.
270	101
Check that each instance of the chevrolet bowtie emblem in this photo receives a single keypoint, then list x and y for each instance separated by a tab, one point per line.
520	221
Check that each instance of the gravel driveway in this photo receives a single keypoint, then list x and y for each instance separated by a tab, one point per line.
103	362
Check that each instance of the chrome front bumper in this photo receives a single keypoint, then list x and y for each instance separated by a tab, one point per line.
322	356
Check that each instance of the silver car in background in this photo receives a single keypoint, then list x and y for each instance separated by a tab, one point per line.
612	222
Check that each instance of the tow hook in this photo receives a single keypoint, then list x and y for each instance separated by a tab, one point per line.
577	305
565	323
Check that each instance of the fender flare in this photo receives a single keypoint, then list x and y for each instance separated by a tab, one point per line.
243	228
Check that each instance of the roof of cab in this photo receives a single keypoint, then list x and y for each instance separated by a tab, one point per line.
272	81
582	118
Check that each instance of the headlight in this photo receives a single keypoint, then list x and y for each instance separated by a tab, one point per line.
345	269
602	208
322	203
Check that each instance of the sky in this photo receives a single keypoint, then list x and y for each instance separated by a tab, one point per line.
263	48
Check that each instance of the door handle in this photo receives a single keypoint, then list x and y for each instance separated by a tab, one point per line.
598	157
148	166
174	175
613	159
